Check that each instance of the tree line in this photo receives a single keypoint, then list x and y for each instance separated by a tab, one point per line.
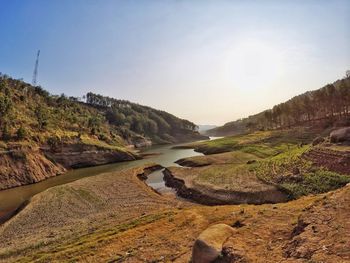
330	102
139	119
326	105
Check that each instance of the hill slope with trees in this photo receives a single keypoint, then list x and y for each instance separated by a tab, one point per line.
41	134
327	106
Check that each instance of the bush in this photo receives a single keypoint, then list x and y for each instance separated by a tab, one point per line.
103	137
5	105
21	133
6	134
53	141
18	155
41	115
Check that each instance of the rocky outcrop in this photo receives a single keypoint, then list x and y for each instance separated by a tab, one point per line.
82	155
142	142
208	246
21	166
187	188
340	135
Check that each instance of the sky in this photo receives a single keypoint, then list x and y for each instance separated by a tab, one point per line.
207	61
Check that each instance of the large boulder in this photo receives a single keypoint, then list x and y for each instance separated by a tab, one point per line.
340	135
208	246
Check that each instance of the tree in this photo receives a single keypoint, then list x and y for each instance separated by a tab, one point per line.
94	123
41	115
5	108
6	134
5	105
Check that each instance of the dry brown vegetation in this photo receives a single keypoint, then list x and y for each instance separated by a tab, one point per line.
69	213
263	233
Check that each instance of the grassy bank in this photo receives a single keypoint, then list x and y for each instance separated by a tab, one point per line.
274	157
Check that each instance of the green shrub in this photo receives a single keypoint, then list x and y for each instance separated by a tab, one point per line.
42	117
318	182
53	141
6	134
21	133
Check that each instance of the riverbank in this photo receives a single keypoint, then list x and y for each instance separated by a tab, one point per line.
262	167
77	209
242	188
135	229
23	165
12	199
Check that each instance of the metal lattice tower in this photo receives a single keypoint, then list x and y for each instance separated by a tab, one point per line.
35	73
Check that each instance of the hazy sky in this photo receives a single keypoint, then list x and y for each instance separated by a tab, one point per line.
206	61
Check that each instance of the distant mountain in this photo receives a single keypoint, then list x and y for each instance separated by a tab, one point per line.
203	128
329	105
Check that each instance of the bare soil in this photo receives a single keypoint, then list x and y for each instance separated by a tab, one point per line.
115	217
333	160
77	209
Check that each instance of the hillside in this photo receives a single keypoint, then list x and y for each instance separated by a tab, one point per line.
324	107
42	135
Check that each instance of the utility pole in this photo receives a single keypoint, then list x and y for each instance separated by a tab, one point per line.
35	73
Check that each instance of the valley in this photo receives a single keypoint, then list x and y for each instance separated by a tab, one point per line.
120	189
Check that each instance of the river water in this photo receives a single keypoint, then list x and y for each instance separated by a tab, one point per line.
164	155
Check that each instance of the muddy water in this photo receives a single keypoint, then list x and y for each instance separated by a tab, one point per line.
11	199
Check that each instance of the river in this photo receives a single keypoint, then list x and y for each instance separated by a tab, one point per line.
164	155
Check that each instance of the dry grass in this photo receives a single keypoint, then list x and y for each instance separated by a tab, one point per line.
76	209
236	157
145	227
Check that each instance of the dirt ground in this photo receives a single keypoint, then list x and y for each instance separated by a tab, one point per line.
79	208
116	218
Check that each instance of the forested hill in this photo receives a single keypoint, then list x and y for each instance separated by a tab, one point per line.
126	116
327	106
31	115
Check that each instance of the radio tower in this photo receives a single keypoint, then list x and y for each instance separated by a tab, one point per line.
35	73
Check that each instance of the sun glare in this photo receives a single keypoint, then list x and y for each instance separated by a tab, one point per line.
254	64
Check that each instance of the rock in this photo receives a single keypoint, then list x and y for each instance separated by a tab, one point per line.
340	135
318	140
81	155
141	142
208	245
26	165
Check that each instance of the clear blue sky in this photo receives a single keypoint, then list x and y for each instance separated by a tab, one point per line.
207	61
